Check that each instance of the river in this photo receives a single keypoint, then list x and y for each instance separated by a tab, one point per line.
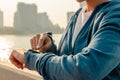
9	42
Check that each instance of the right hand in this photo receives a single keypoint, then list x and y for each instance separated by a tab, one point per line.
41	43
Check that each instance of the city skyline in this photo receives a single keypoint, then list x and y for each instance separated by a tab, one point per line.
57	16
28	21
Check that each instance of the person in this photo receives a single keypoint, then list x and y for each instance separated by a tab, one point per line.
88	50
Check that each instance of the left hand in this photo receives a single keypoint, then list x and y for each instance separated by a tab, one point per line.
17	58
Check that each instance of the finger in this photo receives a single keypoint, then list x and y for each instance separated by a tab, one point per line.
41	42
37	38
11	57
33	43
17	64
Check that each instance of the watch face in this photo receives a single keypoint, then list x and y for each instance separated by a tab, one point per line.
49	33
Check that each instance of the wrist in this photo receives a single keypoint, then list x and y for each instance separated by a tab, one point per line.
49	34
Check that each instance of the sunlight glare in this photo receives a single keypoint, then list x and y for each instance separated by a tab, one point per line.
5	47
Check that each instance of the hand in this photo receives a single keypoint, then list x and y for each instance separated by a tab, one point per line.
42	43
17	58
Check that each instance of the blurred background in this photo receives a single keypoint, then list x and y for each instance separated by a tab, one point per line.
20	20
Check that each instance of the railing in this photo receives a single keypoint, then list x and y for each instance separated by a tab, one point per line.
11	73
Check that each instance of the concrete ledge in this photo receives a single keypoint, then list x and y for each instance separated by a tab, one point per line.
8	73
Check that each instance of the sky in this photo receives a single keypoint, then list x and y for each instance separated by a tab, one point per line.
56	9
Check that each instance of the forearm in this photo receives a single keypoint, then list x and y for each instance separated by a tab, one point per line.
89	64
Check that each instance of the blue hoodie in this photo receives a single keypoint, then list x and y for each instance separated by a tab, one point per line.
96	52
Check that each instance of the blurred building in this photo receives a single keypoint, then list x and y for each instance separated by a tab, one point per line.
46	25
44	22
1	18
26	16
29	20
